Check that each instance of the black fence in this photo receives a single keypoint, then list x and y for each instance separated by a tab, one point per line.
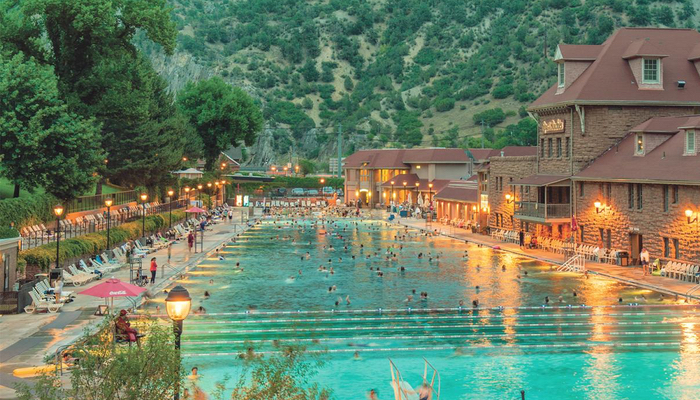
94	223
87	203
9	302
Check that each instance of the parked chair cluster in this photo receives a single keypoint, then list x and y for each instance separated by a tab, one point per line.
681	271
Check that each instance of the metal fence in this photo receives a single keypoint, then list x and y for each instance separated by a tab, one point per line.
86	203
71	229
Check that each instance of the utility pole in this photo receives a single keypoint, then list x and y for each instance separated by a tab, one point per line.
545	43
482	133
340	148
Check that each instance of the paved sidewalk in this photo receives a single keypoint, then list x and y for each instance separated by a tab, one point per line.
27	338
631	274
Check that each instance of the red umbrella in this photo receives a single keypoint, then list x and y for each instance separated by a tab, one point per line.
195	209
113	288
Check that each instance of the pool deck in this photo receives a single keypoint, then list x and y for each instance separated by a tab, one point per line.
632	275
27	338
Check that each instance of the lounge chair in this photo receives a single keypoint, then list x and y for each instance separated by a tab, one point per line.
39	304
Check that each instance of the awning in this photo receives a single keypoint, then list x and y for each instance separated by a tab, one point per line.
542	180
413	182
462	195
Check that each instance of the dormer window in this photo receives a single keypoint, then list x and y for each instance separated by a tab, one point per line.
639	144
560	74
651	70
690	148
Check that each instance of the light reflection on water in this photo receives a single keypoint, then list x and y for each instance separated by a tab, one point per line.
475	370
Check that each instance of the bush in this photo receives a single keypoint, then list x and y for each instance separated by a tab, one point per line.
444	104
7	232
490	117
25	211
502	91
93	243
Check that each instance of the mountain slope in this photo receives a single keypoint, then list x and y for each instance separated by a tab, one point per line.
394	72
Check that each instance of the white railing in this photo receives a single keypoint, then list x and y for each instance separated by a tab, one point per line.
404	391
577	263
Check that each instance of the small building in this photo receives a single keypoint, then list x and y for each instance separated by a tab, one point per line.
189	173
369	173
9	249
459	202
229	161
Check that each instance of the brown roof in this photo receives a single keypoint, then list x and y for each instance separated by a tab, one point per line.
540	180
481	154
399	158
643	48
463	194
660	125
579	52
609	78
412	179
695	53
664	163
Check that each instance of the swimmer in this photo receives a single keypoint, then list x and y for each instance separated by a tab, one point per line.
211	281
221	257
206	294
546	299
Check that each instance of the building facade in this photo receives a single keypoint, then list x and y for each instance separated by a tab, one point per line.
627	102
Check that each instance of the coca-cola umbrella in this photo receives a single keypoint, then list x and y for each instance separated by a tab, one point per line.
195	209
112	288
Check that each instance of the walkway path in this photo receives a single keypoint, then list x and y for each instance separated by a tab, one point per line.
632	275
27	338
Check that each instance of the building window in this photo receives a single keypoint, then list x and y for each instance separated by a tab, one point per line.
650	70
690	142
666	197
639	147
639	196
630	195
580	189
558	147
667	250
675	193
566	147
676	249
561	74
601	234
607	190
549	148
608	242
541	148
583	236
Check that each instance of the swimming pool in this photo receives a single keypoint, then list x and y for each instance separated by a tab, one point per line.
584	343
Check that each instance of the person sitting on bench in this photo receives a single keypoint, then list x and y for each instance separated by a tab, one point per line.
124	329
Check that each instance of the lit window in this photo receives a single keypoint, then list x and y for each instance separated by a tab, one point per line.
690	142
650	72
561	74
639	147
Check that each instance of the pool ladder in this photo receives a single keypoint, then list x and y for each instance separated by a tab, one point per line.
404	391
577	263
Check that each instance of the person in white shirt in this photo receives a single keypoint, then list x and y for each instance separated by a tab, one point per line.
644	259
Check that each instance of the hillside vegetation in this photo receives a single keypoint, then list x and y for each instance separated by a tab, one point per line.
401	72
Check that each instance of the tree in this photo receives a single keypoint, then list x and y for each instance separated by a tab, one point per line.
107	371
222	115
307	167
41	142
309	71
280	376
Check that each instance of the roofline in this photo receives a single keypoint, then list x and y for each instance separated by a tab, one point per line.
613	103
437	162
645	131
624	180
644	55
437	197
361	167
576	59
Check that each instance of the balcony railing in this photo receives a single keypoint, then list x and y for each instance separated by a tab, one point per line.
542	210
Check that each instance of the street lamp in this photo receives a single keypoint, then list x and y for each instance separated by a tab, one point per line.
509	198
199	187
170	197
108	204
177	305
404	190
58	211
187	195
392	196
144	197
689	214
323	194
599	208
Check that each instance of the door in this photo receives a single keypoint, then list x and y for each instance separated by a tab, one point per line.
635	247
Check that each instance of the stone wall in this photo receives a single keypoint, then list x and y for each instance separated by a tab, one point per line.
652	222
506	169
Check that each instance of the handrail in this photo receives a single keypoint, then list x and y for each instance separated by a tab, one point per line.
576	263
432	381
398	388
691	291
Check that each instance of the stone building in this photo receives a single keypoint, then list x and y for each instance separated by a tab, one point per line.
599	117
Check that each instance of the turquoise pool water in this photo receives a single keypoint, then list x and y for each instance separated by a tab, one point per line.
583	344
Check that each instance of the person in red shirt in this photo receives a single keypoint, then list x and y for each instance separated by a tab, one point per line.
154	269
190	241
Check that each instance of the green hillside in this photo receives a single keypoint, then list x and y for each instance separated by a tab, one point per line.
401	72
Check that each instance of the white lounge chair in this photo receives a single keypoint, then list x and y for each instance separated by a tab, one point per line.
39	304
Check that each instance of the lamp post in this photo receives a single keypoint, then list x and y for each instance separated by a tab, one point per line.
322	181
392	196
178	304
199	187
108	203
187	196
170	198
216	193
404	191
144	197
58	211
430	202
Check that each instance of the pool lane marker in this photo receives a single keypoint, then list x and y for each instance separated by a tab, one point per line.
470	348
426	328
432	318
404	337
430	310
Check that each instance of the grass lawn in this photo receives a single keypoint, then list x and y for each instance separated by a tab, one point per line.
7	189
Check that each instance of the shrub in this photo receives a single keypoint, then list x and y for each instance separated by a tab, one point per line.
7	232
444	104
25	211
92	243
502	91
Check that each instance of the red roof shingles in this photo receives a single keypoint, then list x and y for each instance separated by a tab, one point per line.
610	78
665	163
461	194
579	52
399	158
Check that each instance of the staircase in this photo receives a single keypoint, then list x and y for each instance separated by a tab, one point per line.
577	263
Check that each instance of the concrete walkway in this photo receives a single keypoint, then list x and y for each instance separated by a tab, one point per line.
632	275
27	338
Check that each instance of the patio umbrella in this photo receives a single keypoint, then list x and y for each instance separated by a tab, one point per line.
420	200
195	209
112	288
410	201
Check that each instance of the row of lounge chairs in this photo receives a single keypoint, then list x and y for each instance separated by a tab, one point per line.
682	271
297	203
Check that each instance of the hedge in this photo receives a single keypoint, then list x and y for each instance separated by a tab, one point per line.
93	243
7	232
29	210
